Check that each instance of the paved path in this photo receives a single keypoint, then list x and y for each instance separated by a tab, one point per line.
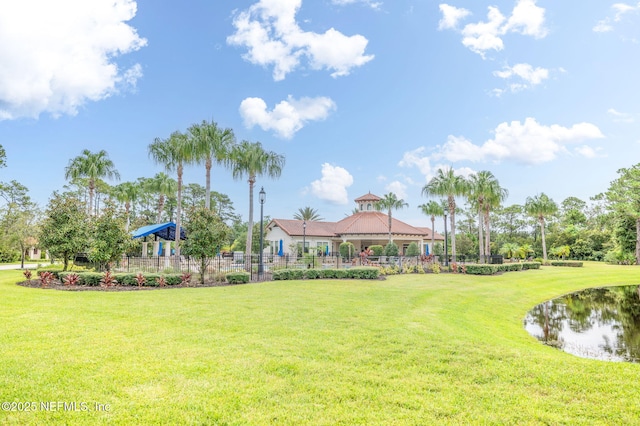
6	266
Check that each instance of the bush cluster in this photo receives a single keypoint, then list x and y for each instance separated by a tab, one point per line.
93	279
566	263
363	273
476	269
239	277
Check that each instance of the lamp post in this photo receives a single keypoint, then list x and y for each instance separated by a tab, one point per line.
446	252
263	198
304	236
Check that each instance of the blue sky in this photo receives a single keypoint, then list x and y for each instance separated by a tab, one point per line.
358	95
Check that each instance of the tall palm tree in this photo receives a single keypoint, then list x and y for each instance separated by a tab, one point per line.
494	199
433	209
308	214
390	202
92	166
163	185
251	160
174	153
447	184
127	193
212	143
485	193
539	207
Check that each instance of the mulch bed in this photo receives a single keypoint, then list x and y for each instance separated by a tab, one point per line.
58	285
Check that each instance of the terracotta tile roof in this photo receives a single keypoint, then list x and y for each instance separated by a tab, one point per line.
314	228
368	197
427	231
374	223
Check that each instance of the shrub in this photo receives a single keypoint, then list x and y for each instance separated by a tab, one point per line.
364	273
413	249
453	267
474	269
161	280
377	250
531	265
347	250
46	278
27	274
313	274
140	279
185	279
419	269
569	263
71	279
238	277
108	280
391	249
435	268
91	279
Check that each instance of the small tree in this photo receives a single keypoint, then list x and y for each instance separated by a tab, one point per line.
206	233
65	230
347	250
377	250
110	239
413	249
391	249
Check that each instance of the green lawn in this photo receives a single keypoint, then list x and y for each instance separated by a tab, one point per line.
414	349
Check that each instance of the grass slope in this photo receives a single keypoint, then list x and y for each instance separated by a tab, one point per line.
414	349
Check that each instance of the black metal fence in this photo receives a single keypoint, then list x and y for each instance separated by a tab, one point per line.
219	266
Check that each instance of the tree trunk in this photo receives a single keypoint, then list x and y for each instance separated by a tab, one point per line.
638	241
91	190
160	207
433	234
389	226
544	244
207	200
480	236
452	211
487	233
178	215
247	261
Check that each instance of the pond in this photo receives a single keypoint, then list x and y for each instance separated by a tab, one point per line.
598	323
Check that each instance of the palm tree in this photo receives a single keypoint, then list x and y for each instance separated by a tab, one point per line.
446	184
250	160
308	214
163	185
539	207
212	143
390	202
174	153
433	209
494	199
91	166
510	250
127	193
484	193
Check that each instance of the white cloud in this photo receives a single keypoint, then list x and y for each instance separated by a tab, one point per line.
451	15
288	116
587	151
526	73
621	117
525	143
372	4
56	56
398	188
268	29
620	9
333	185
527	18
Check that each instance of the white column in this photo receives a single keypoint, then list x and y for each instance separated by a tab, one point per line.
145	248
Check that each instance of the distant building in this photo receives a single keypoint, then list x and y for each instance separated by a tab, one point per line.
365	228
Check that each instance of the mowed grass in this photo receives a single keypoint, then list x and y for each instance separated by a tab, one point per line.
413	349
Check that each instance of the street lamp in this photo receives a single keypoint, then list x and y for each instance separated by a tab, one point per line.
446	252
263	198
304	235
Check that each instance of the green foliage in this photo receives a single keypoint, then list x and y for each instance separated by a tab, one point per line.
435	268
347	250
566	263
377	250
206	234
238	277
413	249
65	229
391	249
109	238
361	273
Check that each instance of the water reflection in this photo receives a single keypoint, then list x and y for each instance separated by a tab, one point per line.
600	323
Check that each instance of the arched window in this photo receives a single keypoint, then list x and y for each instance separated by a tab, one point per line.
369	207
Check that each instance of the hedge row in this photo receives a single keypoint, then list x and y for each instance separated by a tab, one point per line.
477	269
566	263
363	273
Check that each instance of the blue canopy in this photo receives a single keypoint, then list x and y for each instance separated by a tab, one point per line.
166	231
